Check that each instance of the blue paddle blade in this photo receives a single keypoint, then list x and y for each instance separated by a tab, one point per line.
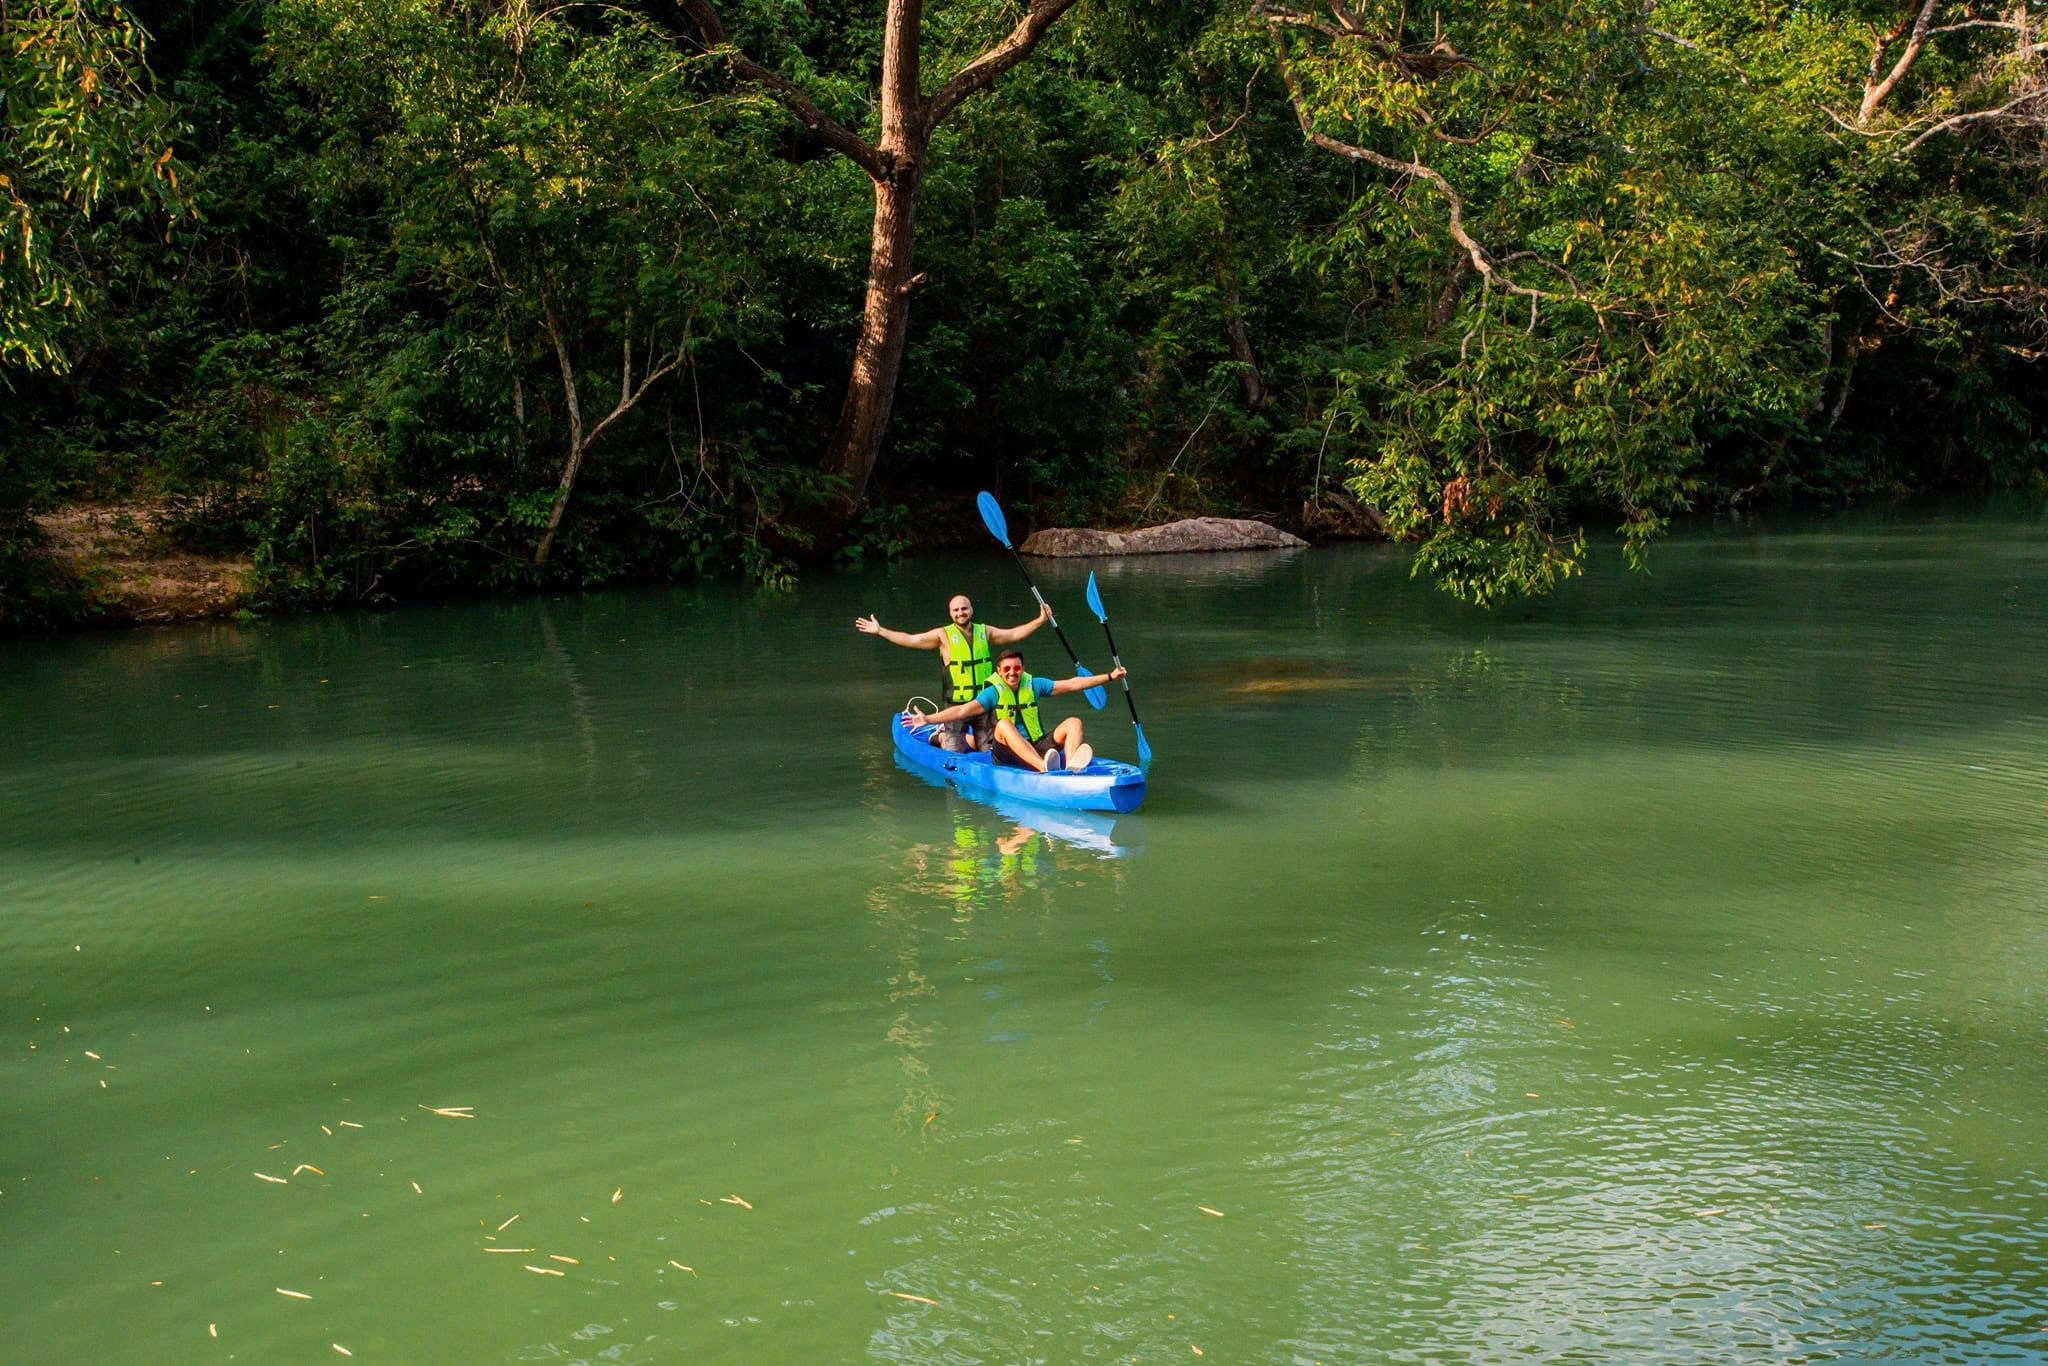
992	517
1097	698
1095	600
1144	750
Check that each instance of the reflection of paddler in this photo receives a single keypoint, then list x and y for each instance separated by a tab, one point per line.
964	647
1021	854
978	864
963	866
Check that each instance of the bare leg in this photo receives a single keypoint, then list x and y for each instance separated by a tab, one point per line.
1068	735
1010	738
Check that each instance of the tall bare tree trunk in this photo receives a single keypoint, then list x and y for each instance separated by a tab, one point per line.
885	320
895	162
885	325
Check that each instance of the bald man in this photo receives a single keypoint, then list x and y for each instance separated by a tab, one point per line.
967	650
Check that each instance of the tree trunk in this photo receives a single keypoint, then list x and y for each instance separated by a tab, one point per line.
885	324
1241	351
577	441
895	162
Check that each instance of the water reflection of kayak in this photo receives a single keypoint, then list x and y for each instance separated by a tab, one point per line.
1105	785
1111	834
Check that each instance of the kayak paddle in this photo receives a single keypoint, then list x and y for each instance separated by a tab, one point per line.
1095	606
992	518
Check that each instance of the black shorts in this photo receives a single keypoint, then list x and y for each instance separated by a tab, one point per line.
1001	752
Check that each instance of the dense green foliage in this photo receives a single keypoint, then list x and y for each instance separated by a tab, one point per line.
341	281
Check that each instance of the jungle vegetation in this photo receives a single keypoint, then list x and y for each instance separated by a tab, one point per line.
409	297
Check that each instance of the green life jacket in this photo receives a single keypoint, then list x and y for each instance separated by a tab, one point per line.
1019	707
967	666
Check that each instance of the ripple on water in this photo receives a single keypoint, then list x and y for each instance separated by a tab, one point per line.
1686	1199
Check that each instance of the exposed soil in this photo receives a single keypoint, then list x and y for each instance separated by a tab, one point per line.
122	563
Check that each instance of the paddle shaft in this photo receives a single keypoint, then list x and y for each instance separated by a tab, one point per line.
1116	661
1042	603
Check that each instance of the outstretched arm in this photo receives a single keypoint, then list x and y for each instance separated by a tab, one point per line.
1010	635
922	640
965	711
1087	681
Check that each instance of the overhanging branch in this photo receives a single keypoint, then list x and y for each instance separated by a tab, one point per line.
1475	250
978	74
791	96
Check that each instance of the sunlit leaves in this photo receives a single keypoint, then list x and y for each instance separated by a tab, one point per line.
88	147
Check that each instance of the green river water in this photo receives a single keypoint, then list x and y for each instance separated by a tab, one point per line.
1658	973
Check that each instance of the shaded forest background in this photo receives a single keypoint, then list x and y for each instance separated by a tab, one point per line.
411	297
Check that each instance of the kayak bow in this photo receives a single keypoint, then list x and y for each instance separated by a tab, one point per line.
1105	785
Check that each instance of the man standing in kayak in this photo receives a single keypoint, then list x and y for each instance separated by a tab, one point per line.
1019	737
965	652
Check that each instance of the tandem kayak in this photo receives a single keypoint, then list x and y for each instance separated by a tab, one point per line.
1105	785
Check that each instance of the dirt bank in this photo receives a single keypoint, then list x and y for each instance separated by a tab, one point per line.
124	566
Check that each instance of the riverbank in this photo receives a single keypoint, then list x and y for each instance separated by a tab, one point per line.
123	569
113	563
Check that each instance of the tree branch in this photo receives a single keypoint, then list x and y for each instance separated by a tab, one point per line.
978	74
1474	249
1423	65
1955	122
1875	94
823	126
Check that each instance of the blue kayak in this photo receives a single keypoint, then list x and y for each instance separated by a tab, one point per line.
1105	785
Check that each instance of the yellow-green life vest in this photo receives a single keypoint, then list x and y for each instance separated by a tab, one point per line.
1019	707
967	666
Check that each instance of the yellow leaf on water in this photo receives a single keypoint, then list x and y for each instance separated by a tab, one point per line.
278	1180
914	1299
617	1194
735	1200
293	1294
1206	1210
546	1271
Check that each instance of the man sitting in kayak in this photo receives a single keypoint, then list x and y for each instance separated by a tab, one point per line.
1012	698
964	652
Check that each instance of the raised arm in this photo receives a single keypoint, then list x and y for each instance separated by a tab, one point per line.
922	640
1010	635
1087	681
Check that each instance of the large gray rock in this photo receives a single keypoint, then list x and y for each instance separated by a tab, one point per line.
1194	534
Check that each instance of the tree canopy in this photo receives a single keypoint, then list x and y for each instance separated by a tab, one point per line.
474	295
